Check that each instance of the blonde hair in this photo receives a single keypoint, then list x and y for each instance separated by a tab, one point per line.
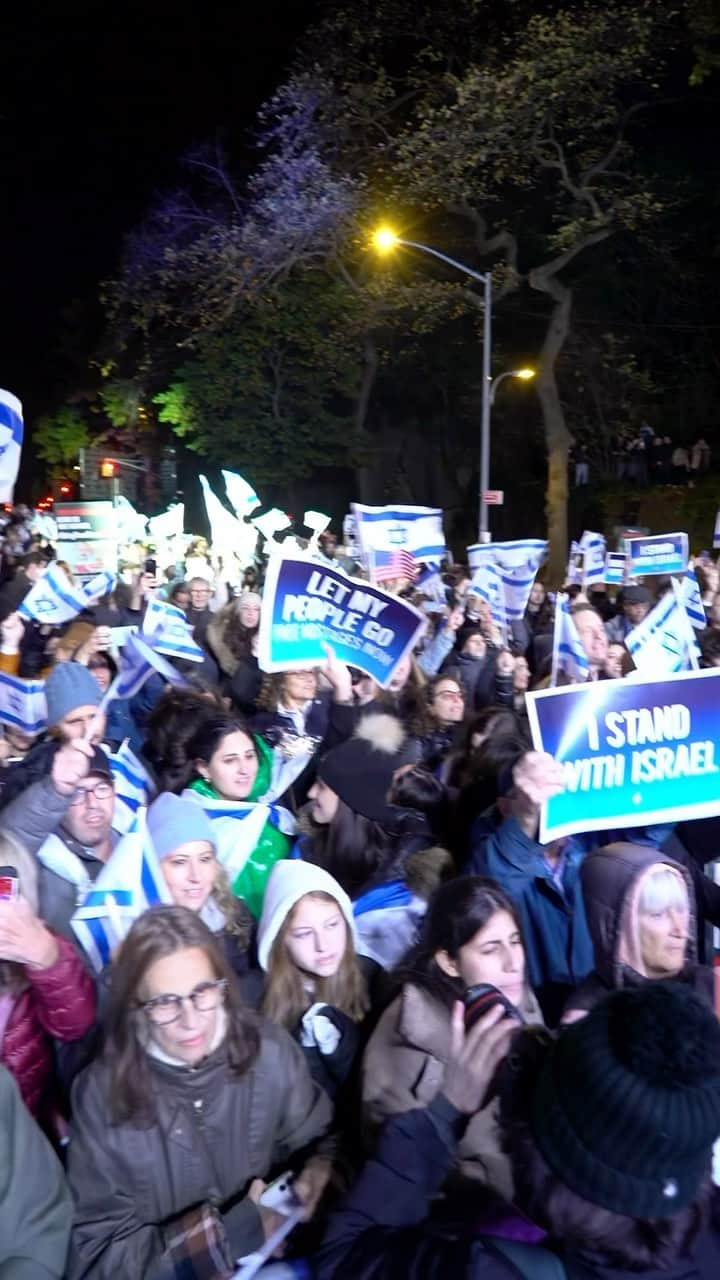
286	997
238	920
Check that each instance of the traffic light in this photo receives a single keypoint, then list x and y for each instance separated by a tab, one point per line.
108	468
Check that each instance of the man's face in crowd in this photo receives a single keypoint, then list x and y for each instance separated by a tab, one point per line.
448	704
89	817
199	593
475	647
77	722
592	635
636	612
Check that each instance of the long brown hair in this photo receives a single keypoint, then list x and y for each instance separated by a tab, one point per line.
157	933
286	998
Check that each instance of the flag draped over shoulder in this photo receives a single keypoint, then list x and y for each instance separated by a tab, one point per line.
129	883
394	541
170	632
22	703
569	656
251	837
53	599
11	440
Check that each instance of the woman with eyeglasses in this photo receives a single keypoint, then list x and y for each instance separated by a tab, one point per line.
194	1104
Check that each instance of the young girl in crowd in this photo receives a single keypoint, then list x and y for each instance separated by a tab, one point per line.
470	935
45	989
184	840
191	1105
315	984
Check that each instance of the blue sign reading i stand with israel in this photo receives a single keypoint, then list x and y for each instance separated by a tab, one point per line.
662	553
632	753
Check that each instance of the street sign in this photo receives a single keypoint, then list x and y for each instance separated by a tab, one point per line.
493	497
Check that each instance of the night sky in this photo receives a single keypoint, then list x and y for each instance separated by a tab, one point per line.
97	104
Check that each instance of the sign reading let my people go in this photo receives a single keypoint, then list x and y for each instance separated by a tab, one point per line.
633	752
307	605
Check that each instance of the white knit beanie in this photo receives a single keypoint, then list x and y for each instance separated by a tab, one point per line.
289	881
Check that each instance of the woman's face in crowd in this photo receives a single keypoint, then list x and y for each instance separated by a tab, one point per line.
521	675
190	872
188	1038
613	662
537	594
300	686
663	939
181	598
250	614
232	768
494	955
315	936
475	647
103	675
324	802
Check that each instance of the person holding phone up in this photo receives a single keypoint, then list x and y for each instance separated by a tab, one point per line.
45	990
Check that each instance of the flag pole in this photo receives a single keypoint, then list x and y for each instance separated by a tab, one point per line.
559	599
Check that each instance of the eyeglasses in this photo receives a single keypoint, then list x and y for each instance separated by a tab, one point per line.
166	1009
101	791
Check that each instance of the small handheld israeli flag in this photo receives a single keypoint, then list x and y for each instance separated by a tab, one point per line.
171	632
243	498
134	788
385	531
692	600
54	599
664	642
593	547
517	564
569	654
11	439
138	661
22	703
129	883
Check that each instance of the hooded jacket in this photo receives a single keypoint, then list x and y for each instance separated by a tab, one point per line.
609	879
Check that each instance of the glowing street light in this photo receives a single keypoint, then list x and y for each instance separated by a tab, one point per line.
524	375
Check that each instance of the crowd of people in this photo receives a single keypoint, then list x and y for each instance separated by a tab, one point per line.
477	1055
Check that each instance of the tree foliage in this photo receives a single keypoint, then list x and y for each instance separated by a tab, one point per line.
58	439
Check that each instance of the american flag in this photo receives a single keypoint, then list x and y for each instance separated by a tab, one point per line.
395	564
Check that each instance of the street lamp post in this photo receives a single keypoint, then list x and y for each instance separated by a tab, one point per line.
385	241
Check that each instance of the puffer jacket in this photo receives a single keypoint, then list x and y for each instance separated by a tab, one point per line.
404	1067
58	1002
212	1134
609	877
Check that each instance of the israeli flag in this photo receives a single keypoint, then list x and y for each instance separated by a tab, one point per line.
54	599
229	535
170	631
486	583
22	703
569	655
517	564
573	576
134	788
692	600
11	439
131	525
243	498
383	531
129	883
138	661
238	826
664	642
593	547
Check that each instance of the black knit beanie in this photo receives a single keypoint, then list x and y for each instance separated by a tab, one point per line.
361	770
627	1104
